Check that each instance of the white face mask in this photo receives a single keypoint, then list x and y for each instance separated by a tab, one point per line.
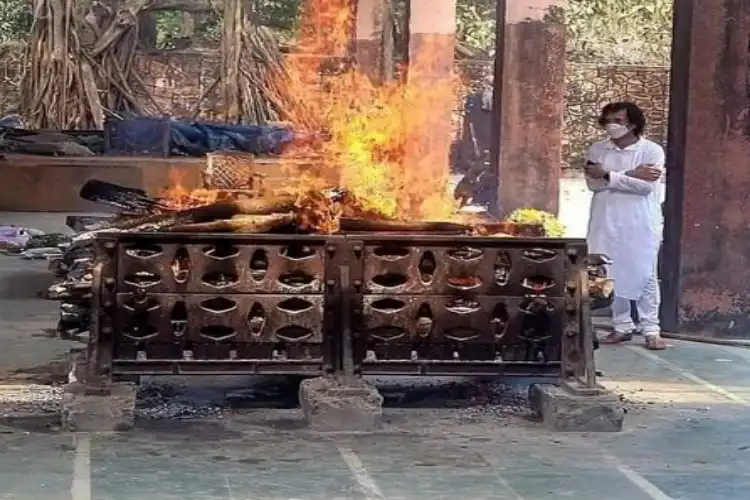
615	130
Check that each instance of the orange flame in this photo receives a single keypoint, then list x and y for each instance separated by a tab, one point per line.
388	143
178	197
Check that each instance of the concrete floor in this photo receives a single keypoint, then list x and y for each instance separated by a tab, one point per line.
686	437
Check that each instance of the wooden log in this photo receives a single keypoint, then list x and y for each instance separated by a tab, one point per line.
207	214
264	206
238	224
228	209
366	225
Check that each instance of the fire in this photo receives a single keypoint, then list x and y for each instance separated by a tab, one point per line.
385	142
379	142
178	197
389	141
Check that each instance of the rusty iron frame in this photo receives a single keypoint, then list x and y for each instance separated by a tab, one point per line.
497	102
109	290
343	295
575	250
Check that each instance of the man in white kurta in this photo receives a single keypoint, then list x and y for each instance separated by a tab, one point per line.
626	221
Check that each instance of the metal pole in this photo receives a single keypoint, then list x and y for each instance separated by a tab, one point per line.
497	103
586	325
347	362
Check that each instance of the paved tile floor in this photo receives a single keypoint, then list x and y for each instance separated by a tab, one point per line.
686	437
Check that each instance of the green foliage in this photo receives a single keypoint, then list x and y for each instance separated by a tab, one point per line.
619	31
15	20
280	15
609	31
601	31
170	28
553	228
476	25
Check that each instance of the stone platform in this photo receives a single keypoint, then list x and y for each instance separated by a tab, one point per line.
331	404
565	411
51	184
85	412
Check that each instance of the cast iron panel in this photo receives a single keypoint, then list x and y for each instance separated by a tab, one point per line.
458	368
173	326
168	263
484	328
341	318
465	265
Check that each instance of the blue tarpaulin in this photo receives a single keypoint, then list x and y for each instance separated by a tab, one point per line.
163	136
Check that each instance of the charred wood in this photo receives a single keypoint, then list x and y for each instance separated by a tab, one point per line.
238	224
121	197
365	225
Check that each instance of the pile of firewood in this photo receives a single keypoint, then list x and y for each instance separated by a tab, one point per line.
81	66
320	211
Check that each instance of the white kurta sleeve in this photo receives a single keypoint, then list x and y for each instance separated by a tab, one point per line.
595	185
620	181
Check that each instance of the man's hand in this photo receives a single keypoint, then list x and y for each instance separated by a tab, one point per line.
595	170
645	173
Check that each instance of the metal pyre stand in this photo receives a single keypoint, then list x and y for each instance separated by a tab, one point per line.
352	304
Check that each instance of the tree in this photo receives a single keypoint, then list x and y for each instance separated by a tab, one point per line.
610	31
15	19
476	25
619	31
174	26
601	31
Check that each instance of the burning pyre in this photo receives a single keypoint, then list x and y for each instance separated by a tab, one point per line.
383	146
379	161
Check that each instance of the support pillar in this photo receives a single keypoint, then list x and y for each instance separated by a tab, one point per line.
374	47
430	75
706	254
432	39
529	103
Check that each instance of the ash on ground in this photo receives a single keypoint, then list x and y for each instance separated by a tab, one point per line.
471	398
30	399
159	400
171	401
183	401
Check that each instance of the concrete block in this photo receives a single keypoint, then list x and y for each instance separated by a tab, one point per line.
334	405
561	410
85	412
